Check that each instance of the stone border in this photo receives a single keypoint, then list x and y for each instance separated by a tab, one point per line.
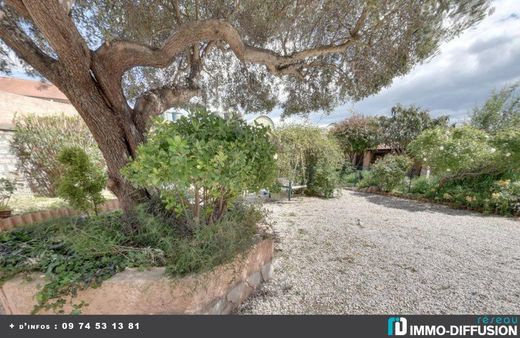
219	291
43	215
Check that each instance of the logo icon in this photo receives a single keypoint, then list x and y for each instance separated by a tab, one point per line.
397	326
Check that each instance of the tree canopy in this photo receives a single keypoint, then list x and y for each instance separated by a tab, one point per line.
406	123
235	54
356	134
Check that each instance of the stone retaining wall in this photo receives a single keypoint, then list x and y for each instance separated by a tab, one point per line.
219	291
43	215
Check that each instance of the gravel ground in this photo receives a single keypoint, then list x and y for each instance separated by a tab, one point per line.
370	254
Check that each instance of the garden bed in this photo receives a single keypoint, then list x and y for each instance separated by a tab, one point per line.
44	215
150	291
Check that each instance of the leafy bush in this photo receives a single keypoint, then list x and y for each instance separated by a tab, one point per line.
366	180
350	180
505	198
422	185
37	142
82	182
308	155
507	149
200	164
388	172
485	193
468	152
453	150
77	253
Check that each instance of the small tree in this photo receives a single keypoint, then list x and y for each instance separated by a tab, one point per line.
500	111
202	163
7	189
405	124
308	155
388	172
37	143
82	182
357	134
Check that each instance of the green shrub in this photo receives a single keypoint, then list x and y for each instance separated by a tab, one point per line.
350	180
486	193
422	185
505	198
308	155
387	173
37	142
450	151
81	182
200	164
7	189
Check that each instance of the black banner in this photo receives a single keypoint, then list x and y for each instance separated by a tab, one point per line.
259	326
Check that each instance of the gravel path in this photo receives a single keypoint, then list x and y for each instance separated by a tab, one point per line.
370	254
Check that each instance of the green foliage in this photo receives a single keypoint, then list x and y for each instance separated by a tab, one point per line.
357	134
308	155
452	150
388	172
396	35
405	124
422	185
507	145
78	253
486	193
350	179
81	182
200	164
500	111
7	189
466	151
37	142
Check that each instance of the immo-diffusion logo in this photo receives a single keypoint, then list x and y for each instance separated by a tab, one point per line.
483	326
397	326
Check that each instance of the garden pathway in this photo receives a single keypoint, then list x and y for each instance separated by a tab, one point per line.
369	254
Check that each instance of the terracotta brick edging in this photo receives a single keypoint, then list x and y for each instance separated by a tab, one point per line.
43	215
218	291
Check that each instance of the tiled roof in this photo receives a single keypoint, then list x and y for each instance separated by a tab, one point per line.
32	88
12	104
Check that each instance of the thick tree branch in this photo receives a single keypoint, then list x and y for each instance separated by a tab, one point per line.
26	49
129	54
19	7
156	101
51	17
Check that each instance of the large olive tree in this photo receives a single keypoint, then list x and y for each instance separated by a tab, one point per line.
121	61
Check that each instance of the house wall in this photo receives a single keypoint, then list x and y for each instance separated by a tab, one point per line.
8	163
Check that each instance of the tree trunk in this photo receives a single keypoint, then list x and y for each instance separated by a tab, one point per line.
116	143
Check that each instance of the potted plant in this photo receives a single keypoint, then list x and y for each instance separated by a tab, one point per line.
7	188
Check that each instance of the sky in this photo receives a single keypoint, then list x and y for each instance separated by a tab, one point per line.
461	76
